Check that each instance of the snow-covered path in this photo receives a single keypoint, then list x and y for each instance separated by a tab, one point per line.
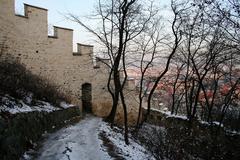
82	141
75	142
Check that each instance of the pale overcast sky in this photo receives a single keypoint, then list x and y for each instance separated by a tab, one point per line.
58	8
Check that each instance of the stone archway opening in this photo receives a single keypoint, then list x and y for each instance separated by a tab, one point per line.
87	97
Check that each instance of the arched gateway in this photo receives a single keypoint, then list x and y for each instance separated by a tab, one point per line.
87	97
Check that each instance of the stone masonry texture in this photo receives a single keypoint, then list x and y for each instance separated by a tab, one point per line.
26	38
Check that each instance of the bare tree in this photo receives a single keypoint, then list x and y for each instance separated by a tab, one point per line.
209	56
177	95
148	49
177	36
227	14
121	22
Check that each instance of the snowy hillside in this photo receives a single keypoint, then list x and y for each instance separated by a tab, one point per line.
27	104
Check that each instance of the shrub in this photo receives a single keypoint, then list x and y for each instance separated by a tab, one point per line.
181	140
17	81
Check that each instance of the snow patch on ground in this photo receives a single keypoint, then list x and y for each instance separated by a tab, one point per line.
66	105
209	123
13	106
216	123
133	151
26	157
233	132
168	114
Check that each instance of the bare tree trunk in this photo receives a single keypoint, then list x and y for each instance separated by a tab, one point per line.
175	87
125	118
110	118
177	39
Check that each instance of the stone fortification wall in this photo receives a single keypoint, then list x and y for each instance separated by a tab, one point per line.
26	38
20	131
